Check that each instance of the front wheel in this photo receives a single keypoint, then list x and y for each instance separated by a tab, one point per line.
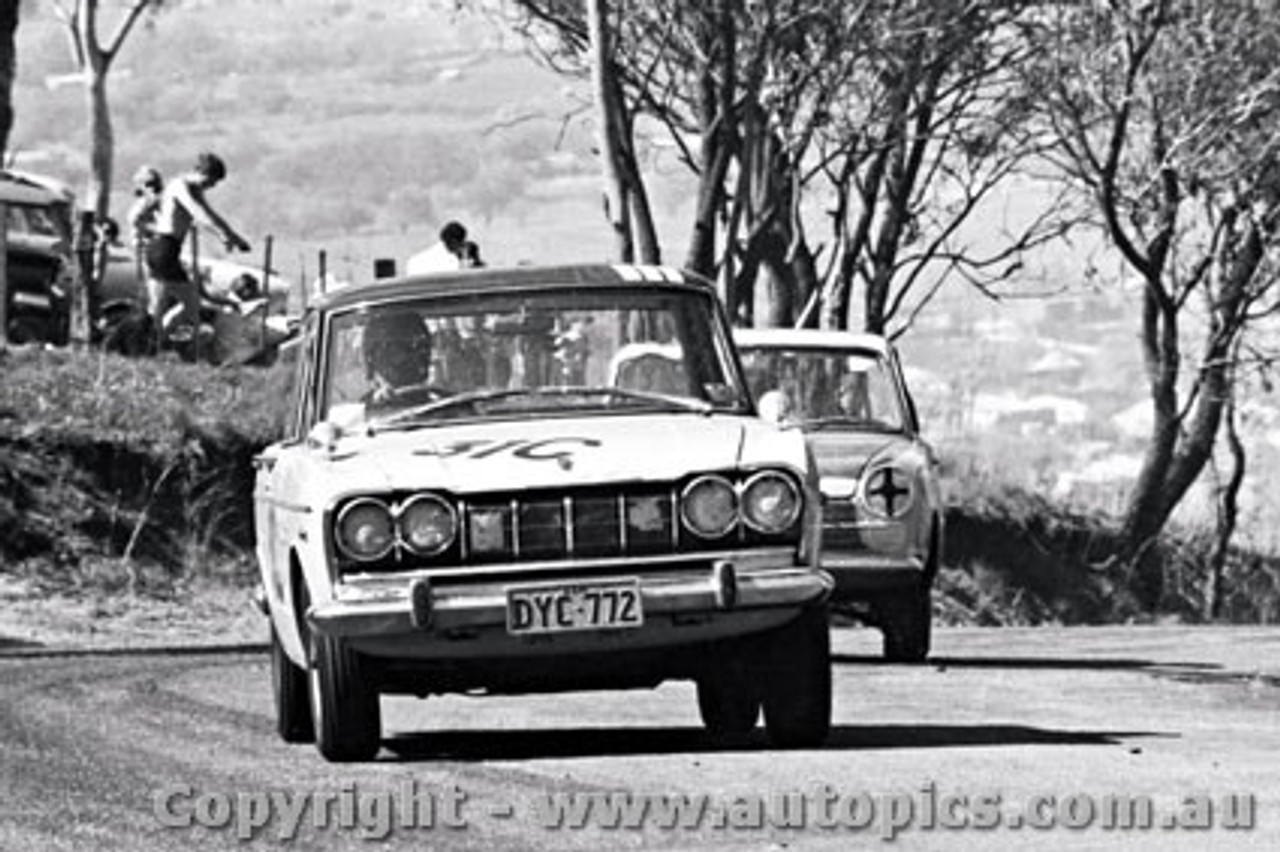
797	681
344	706
906	620
289	687
728	698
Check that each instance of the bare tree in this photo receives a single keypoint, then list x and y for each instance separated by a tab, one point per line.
1167	114
932	125
94	57
581	39
773	104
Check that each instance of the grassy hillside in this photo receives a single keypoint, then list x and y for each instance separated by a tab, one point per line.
358	128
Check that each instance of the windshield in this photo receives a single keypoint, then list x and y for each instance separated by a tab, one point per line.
825	388
25	220
531	353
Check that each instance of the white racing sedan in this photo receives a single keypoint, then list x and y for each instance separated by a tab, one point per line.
484	486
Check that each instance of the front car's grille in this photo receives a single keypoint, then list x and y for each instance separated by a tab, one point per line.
840	526
552	527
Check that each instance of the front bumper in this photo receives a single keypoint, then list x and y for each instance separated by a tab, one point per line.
426	606
859	575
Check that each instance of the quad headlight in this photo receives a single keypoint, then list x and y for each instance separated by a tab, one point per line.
770	503
709	506
427	524
365	530
368	529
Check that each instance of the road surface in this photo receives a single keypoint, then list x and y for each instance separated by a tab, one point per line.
1007	739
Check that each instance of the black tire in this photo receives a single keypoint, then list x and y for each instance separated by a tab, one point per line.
728	699
797	681
345	707
289	686
906	620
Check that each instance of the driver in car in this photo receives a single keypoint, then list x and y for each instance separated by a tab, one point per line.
397	355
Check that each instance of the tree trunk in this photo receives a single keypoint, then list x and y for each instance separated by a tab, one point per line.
8	70
617	207
1227	517
718	142
1181	448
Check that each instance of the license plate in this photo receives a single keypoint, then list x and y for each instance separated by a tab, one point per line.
580	606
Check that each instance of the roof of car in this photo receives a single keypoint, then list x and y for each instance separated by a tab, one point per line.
21	189
498	279
808	338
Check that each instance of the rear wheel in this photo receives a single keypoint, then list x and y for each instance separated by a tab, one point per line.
797	681
728	698
344	706
289	685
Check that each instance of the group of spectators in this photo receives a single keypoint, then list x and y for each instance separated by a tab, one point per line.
160	219
162	216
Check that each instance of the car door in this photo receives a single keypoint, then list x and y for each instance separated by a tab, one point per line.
270	484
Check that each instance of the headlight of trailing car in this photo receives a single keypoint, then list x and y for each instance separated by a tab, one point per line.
709	507
365	530
770	503
428	524
887	491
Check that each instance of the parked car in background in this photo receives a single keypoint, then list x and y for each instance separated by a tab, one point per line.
882	508
481	489
246	328
41	268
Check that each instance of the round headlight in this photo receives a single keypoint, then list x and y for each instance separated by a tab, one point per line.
709	507
770	503
428	524
365	530
887	491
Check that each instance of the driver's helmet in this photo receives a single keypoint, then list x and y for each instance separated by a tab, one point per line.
397	348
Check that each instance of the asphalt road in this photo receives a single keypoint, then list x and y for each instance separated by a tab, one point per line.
1025	736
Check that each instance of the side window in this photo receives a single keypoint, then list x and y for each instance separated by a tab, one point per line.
294	377
305	393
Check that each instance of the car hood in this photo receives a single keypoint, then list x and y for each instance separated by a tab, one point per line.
845	454
549	453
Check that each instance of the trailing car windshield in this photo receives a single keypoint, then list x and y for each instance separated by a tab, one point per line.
538	353
820	387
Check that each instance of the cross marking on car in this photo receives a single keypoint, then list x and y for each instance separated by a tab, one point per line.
887	490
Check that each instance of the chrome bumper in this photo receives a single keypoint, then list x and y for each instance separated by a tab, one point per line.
870	572
421	605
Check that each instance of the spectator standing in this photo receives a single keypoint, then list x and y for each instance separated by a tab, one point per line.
183	205
443	256
147	188
470	256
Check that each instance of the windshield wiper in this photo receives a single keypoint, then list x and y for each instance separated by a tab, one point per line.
846	420
701	406
459	400
474	398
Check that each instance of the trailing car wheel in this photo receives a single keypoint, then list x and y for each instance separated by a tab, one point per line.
797	681
289	685
728	698
346	711
906	620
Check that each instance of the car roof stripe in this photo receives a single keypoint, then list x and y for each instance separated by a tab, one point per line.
629	272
